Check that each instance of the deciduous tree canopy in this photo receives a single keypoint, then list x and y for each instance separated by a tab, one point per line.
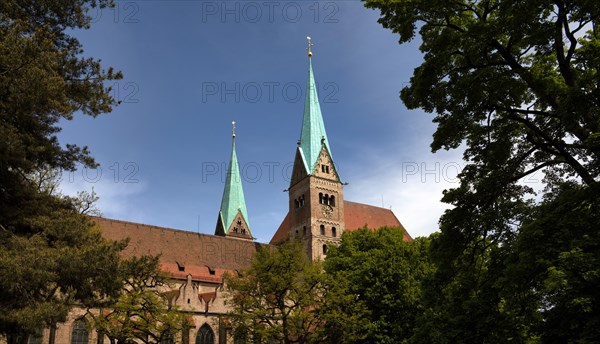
514	83
141	311
378	276
277	298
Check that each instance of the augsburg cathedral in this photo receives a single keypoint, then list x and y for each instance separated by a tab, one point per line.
318	215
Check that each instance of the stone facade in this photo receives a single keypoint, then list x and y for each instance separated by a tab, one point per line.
316	205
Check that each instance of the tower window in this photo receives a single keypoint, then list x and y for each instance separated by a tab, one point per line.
330	200
322	228
333	232
324	249
304	230
320	198
297	203
243	230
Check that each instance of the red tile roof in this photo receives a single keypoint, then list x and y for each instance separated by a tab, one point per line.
356	216
283	231
206	257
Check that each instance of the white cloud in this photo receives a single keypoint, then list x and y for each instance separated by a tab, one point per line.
115	194
412	188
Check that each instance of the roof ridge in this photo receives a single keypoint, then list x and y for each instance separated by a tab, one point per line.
184	231
369	205
140	223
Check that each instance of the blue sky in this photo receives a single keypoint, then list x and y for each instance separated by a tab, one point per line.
191	68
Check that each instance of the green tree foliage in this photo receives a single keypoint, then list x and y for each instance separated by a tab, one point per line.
276	299
44	79
63	260
378	274
516	84
551	279
511	79
50	254
141	311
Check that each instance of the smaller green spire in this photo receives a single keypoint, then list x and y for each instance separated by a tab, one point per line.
233	196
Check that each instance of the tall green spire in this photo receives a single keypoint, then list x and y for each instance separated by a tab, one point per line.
313	128
233	196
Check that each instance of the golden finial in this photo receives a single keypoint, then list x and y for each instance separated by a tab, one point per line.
308	48
233	129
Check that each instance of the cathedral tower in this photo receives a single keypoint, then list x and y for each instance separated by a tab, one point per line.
233	216
316	203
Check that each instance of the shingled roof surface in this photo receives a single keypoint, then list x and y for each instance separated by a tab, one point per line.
206	257
356	216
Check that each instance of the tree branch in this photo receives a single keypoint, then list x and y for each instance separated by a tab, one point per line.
558	146
563	63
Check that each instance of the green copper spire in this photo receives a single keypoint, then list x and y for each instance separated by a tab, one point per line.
233	196
313	128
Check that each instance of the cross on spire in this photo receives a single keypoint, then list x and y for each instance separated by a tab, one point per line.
308	48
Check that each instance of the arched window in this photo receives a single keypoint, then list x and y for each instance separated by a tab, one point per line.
333	232
296	203
303	230
322	229
332	201
205	335
36	337
320	198
80	334
324	250
326	199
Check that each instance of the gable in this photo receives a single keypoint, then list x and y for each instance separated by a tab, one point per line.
239	227
324	167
